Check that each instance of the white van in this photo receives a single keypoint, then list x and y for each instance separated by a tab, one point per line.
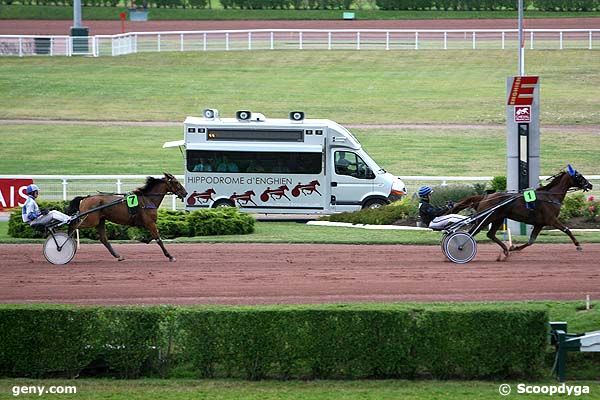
295	165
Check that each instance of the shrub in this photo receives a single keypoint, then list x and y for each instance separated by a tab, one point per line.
498	184
443	194
573	206
591	209
220	221
386	215
318	342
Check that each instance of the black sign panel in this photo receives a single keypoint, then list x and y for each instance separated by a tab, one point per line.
255	135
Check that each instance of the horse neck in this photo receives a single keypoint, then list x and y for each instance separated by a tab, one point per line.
558	187
156	194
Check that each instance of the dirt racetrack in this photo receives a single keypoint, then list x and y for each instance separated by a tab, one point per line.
61	27
282	273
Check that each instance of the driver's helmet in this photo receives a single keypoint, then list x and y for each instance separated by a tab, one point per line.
32	188
425	191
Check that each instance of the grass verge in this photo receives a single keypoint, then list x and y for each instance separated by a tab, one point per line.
292	232
454	86
83	149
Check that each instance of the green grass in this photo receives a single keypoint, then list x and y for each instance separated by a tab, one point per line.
292	232
83	149
457	86
112	13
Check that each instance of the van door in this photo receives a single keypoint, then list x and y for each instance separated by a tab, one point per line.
351	180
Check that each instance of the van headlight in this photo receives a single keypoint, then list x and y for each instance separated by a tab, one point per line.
398	188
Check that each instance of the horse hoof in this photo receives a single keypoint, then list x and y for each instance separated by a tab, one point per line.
120	259
579	248
172	259
512	248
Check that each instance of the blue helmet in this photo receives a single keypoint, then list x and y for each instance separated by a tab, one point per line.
425	191
32	188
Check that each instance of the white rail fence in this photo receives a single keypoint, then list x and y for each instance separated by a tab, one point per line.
65	187
288	39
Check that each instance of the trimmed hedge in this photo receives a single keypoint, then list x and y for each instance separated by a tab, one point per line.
386	215
305	342
170	224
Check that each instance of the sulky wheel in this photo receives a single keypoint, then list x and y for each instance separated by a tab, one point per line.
59	249
460	247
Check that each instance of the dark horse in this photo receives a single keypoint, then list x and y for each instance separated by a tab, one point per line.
545	213
149	198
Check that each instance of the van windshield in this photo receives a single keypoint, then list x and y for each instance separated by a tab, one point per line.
254	162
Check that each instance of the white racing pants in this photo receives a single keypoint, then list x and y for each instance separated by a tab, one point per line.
440	223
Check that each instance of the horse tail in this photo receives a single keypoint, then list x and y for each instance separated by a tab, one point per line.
74	205
469	202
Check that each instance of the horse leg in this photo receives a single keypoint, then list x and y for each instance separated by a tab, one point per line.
492	235
559	225
154	233
534	234
101	228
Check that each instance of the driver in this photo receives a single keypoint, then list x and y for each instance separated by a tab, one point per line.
33	215
432	216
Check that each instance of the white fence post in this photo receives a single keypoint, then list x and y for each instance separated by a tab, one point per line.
445	40
173	202
20	47
249	40
561	40
531	40
272	40
387	40
227	41
474	46
590	41
503	39
357	40
181	42
300	41
329	40
119	185
416	40
64	186
158	42
204	41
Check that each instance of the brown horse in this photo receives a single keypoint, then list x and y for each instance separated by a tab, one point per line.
544	213
149	198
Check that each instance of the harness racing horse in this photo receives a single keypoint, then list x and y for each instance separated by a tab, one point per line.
547	207
149	198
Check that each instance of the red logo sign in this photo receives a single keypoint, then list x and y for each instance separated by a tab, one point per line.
521	92
12	192
522	114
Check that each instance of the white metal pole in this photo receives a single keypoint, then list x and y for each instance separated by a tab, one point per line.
416	40
249	40
521	44
64	185
77	14
445	40
300	41
503	39
272	40
328	40
181	42
387	40
357	40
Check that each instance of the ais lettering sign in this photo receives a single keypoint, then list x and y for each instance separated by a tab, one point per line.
12	192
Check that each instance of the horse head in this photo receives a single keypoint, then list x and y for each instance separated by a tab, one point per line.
578	180
284	187
174	186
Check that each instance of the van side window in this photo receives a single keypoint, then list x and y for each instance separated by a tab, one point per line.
260	162
348	163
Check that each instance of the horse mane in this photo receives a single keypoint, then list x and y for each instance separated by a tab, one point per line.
150	183
554	180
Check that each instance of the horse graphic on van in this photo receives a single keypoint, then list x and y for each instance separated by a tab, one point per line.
274	194
244	198
307	189
203	197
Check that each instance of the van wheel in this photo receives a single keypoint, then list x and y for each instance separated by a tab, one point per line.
375	203
223	203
